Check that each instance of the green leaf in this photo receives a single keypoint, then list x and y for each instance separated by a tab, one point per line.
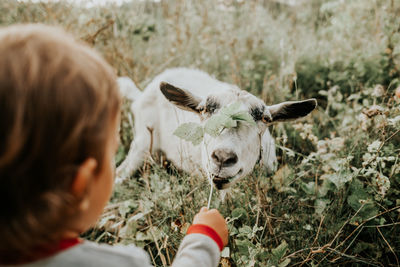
308	188
320	205
374	146
126	207
231	109
279	252
191	131
140	236
360	198
104	220
216	123
129	230
227	118
362	246
245	231
325	187
232	230
339	179
229	123
121	154
147	205
244	116
239	213
243	246
284	263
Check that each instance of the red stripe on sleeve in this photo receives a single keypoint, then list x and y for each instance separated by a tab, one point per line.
67	243
62	245
44	252
208	231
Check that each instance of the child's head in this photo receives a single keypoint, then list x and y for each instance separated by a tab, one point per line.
58	115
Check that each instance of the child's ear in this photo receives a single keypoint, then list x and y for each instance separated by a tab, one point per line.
83	176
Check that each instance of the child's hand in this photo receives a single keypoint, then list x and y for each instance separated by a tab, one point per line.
213	219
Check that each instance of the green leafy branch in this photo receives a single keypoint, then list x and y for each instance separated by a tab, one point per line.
227	118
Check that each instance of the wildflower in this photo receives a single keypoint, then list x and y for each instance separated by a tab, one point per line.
365	122
379	91
373	111
398	92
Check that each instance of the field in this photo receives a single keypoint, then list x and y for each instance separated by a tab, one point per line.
335	199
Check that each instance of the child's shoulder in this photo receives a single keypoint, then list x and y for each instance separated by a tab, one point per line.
97	255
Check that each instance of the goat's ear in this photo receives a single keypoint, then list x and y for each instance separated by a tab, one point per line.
292	110
180	97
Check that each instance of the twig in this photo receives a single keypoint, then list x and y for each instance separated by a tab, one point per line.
354	239
168	257
341	228
91	38
387	243
151	255
165	246
287	149
355	230
112	206
314	252
297	252
366	261
258	208
337	234
210	196
383	225
390	137
362	225
319	229
191	192
320	250
265	225
162	257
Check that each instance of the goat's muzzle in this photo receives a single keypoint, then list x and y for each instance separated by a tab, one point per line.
219	182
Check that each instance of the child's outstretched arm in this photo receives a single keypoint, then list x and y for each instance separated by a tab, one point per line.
204	241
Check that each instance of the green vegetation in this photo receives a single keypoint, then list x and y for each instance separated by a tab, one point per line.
228	117
335	199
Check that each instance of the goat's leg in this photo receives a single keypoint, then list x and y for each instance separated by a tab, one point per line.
137	152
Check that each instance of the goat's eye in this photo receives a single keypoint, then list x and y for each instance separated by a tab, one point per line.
211	108
211	105
265	119
202	110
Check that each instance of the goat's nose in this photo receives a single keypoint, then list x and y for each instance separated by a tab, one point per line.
224	158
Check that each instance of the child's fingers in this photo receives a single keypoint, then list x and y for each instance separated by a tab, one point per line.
203	209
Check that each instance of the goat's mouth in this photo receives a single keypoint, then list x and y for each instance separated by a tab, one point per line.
223	182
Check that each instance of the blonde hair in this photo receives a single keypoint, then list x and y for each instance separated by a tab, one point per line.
58	98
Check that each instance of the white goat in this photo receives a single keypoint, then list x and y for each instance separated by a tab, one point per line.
185	95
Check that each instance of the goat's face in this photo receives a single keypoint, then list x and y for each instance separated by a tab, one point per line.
234	152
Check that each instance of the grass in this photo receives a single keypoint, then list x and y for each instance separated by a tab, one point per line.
335	199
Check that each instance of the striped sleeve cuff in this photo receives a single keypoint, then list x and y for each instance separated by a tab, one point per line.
208	231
